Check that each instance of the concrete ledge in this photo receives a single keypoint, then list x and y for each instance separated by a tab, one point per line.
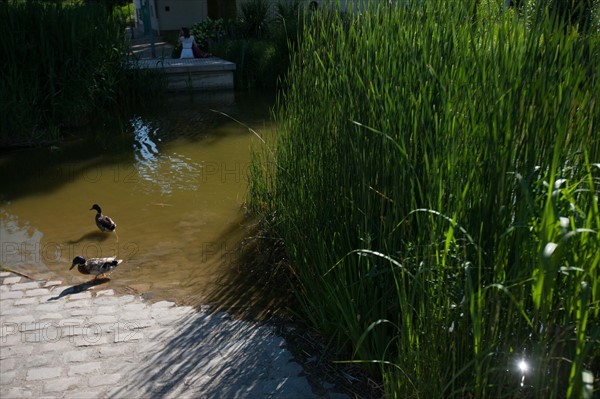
197	73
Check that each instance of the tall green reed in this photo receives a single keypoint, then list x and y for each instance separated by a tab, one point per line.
436	183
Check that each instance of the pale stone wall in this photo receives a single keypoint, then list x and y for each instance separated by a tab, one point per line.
344	4
173	14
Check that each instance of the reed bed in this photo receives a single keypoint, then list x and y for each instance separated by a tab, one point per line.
435	180
62	66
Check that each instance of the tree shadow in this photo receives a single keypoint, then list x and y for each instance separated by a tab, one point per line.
236	346
260	288
215	356
254	284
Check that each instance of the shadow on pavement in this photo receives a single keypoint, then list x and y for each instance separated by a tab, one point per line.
217	356
79	288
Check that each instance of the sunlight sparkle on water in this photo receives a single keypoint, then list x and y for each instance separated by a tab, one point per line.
523	366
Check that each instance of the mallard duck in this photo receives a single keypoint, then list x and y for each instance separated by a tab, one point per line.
96	266
103	222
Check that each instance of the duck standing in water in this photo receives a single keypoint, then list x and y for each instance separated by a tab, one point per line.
96	266
103	222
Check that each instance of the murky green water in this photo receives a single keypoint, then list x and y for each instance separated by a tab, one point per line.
174	182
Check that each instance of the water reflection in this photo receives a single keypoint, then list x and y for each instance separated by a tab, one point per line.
168	172
174	183
145	148
21	242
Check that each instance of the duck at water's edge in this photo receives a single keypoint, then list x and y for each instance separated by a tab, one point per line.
103	222
96	266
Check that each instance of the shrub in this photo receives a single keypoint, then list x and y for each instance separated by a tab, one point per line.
256	62
208	31
255	18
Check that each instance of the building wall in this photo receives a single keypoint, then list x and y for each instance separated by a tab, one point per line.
136	7
154	17
146	16
173	14
344	4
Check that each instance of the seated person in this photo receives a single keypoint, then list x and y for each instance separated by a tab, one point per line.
187	41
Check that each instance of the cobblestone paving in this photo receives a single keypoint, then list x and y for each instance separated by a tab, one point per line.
86	341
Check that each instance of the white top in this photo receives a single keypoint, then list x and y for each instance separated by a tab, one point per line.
187	42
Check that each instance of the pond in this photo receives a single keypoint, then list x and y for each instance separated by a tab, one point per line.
174	182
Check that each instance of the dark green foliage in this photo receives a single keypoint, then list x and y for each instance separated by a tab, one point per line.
208	31
62	67
255	18
259	42
574	13
285	31
435	178
125	15
256	62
